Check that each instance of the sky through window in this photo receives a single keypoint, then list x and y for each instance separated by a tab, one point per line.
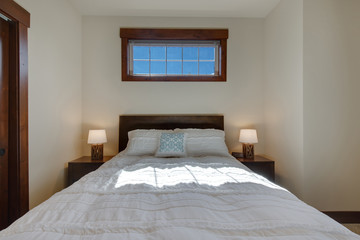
174	59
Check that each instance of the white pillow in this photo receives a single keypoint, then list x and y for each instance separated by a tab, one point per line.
171	145
143	142
205	142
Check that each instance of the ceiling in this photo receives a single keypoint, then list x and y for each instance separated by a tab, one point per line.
175	8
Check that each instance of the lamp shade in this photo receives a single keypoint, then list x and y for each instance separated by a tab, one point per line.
97	137
248	136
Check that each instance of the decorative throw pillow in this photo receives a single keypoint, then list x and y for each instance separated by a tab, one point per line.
171	145
143	142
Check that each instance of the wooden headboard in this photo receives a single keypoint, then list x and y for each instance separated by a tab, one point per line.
132	122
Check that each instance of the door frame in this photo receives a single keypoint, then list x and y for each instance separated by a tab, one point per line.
18	191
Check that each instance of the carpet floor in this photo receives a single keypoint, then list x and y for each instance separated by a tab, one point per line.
353	227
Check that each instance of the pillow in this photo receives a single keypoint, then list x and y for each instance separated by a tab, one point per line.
205	142
143	142
171	145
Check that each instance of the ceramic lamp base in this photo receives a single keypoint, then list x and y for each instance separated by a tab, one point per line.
248	150
97	151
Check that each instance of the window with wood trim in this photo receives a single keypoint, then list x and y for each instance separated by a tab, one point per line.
173	54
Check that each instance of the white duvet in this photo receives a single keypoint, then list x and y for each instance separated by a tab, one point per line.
180	198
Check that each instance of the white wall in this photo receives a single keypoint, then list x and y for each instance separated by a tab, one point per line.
331	104
54	94
293	77
105	96
312	71
283	99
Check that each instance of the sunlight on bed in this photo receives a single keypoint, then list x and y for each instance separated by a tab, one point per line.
161	177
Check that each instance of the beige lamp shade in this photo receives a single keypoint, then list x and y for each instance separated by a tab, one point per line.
97	137
248	136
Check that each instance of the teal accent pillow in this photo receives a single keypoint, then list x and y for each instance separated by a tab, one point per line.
171	145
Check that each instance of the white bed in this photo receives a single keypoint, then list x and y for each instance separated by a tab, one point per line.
139	196
133	197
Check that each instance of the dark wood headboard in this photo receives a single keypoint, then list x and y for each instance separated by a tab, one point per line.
132	122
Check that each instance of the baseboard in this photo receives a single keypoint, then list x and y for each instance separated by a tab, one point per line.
344	217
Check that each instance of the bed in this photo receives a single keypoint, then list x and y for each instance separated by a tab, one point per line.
199	194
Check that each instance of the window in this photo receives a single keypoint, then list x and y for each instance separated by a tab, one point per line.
166	58
173	54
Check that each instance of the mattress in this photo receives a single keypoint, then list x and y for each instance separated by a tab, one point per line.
132	197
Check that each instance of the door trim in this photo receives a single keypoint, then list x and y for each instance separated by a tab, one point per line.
18	109
15	12
4	120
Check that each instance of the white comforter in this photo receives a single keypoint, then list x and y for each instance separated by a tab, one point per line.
184	198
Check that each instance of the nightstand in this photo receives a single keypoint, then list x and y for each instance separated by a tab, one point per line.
260	165
82	166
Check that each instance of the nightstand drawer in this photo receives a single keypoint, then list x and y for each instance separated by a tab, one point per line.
77	171
260	165
265	169
82	166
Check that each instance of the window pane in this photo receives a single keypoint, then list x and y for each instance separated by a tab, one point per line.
190	53
174	67
207	68
173	59
157	67
141	67
140	52
174	53
207	53
190	68
157	53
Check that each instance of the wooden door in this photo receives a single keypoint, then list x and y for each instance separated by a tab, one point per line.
14	181
4	121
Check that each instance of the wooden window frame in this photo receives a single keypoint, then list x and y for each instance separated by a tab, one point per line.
127	34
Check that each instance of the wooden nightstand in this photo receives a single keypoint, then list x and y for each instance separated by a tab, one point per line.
261	165
82	166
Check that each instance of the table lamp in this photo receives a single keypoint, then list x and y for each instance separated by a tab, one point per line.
97	138
248	137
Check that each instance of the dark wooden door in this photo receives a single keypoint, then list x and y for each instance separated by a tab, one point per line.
14	183
4	121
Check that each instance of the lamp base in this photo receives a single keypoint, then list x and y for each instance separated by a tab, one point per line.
97	151
248	151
